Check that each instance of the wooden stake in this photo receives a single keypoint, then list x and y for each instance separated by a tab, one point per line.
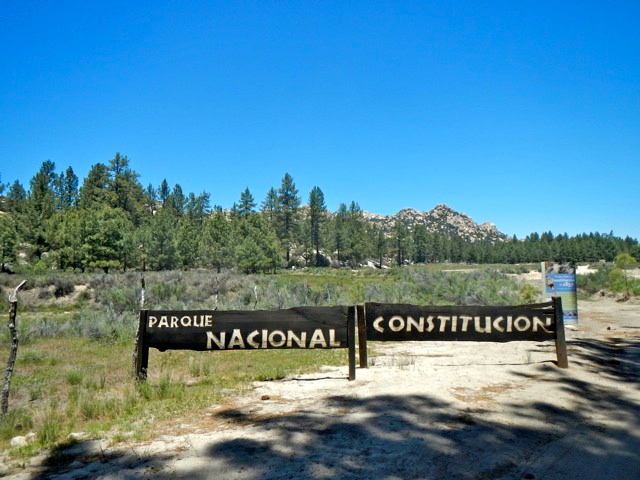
13	353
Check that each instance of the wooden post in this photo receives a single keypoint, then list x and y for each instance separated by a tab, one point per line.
142	349
13	353
561	343
351	336
134	361
362	336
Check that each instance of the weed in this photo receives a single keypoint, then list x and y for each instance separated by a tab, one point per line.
74	377
16	422
50	430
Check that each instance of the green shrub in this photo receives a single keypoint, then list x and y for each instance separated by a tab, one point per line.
16	422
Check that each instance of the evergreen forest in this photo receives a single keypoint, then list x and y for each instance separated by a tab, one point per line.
110	222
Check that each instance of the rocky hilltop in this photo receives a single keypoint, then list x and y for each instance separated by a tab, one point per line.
441	219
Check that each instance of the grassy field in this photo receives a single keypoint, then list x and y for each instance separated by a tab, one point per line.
74	364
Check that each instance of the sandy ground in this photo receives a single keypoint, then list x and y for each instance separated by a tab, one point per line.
430	410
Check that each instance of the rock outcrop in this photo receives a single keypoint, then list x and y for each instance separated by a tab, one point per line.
441	219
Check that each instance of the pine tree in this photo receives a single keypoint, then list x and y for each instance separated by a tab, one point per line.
164	192
215	242
339	231
160	245
127	192
105	245
317	216
271	206
8	241
41	204
95	191
187	244
289	213
68	189
247	204
198	207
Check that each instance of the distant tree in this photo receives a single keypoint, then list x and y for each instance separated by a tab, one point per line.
160	241
402	240
289	213
317	216
271	206
198	207
339	231
41	204
16	198
623	262
187	244
380	240
67	231
105	239
357	245
163	192
8	241
95	190
246	205
420	236
16	204
257	246
176	202
68	189
215	250
128	194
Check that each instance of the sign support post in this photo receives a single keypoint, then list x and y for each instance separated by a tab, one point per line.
561	343
362	336
351	335
142	349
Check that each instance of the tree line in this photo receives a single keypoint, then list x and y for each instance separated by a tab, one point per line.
111	222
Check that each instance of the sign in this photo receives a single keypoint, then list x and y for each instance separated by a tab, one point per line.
303	327
402	322
202	330
398	322
560	281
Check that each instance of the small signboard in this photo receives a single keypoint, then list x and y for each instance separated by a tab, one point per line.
560	281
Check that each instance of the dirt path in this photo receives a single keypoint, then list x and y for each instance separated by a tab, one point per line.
429	410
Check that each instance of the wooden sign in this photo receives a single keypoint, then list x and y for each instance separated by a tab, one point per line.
202	330
401	322
396	322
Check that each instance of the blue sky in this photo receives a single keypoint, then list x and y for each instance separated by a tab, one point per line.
524	114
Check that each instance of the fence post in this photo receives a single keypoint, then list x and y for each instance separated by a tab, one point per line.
561	343
13	353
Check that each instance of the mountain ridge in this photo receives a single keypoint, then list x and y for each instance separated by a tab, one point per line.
441	219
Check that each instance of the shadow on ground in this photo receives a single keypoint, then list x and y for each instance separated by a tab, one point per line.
422	437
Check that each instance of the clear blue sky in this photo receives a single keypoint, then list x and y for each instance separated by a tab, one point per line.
524	114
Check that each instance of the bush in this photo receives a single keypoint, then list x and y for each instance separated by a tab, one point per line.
63	287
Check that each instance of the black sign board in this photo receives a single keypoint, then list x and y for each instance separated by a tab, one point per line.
397	322
201	330
302	327
402	322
